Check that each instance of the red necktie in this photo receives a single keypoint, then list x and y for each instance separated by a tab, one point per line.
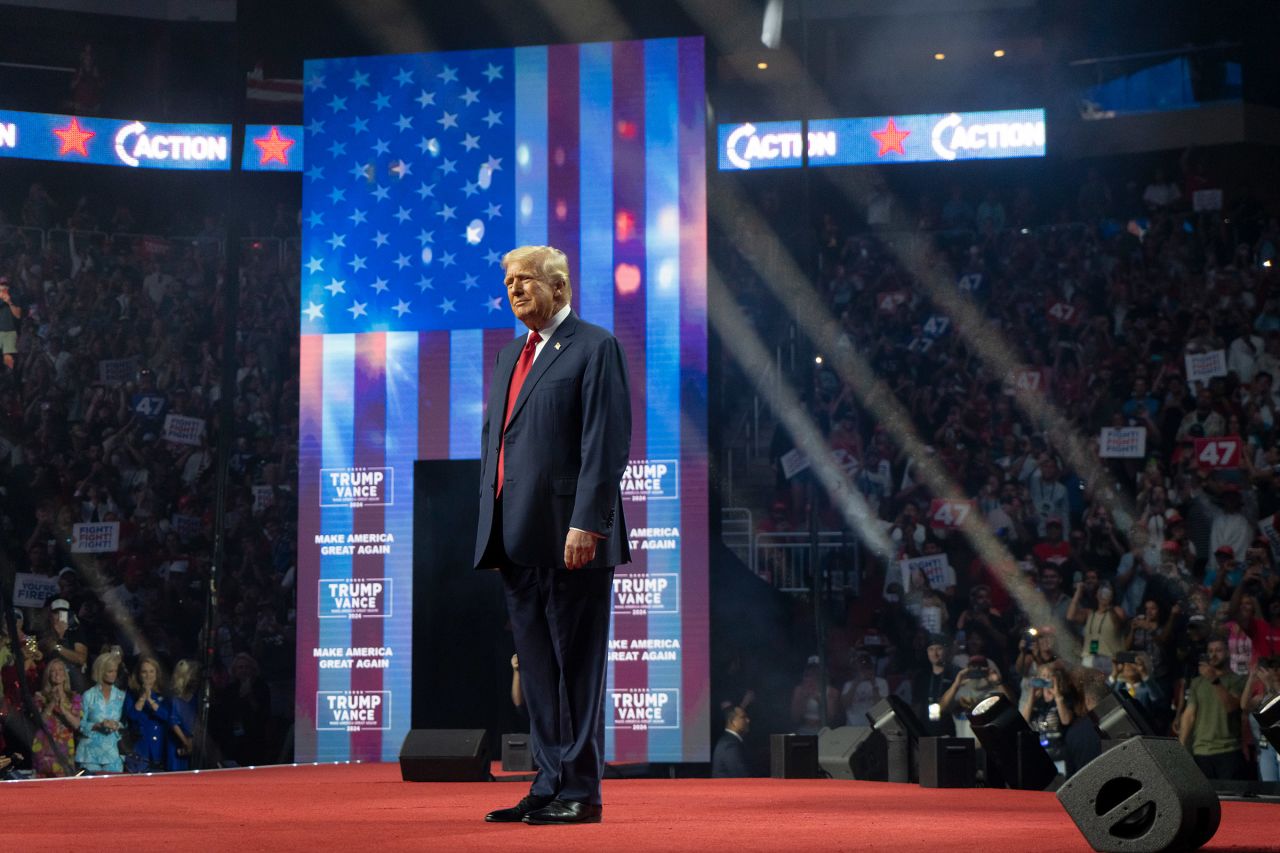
523	365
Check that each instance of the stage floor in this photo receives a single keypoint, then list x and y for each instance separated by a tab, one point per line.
366	806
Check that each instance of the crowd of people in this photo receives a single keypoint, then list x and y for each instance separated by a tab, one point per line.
110	389
1154	572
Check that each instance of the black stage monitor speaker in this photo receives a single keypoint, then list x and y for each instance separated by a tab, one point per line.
445	755
947	762
853	752
793	756
1144	796
516	755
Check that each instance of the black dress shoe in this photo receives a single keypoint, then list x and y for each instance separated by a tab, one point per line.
565	811
516	813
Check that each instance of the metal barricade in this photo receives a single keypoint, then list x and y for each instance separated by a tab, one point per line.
737	531
783	559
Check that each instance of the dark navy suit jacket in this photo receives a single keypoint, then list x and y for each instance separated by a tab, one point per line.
567	444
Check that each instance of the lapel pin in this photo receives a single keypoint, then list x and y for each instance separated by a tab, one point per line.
557	345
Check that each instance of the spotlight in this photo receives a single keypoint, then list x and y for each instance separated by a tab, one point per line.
817	359
1118	718
998	54
902	730
1267	263
939	56
1011	745
762	65
771	26
1268	717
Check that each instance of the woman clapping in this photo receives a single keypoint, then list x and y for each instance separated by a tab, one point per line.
54	745
147	711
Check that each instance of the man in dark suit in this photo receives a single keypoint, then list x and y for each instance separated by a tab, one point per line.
556	438
729	759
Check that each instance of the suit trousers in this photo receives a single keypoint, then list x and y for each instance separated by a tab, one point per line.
560	621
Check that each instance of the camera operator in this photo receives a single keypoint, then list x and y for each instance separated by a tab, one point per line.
977	681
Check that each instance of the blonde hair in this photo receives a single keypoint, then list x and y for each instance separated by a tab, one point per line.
548	262
185	673
101	664
135	679
46	683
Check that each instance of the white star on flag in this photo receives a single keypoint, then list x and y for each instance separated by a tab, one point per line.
493	72
401	308
315	265
335	287
470	96
357	309
313	311
446	305
379	285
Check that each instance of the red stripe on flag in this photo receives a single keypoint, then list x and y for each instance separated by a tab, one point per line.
310	436
370	452
629	328
433	395
563	157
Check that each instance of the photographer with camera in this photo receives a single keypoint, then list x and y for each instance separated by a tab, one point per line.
971	685
1046	710
1262	686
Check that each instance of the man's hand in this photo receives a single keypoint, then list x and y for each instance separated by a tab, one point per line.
579	549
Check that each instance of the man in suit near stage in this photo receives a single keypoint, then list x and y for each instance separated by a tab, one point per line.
729	758
556	439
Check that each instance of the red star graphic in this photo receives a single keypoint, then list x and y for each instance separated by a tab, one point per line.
890	139
72	138
274	147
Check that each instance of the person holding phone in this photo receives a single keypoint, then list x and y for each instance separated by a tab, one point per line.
1104	626
1210	724
1047	713
975	682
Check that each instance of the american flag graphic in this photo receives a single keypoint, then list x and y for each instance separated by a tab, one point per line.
408	192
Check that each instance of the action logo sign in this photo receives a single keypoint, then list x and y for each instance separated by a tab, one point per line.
651	480
355	599
646	594
353	710
357	487
1220	452
641	709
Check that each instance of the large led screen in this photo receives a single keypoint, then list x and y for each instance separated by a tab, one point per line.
420	172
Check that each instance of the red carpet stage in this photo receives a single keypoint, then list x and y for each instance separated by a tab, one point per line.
363	807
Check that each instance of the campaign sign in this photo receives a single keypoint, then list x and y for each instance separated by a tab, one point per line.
1220	452
1267	526
889	301
353	710
970	282
357	487
186	526
1028	379
1065	313
793	462
95	538
149	407
651	480
1203	366
936	326
645	594
182	429
1123	443
640	709
936	569
355	599
117	371
949	513
31	590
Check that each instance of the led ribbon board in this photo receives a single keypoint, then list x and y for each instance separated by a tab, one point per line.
114	142
421	172
940	137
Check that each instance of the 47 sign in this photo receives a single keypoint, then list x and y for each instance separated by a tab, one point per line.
1221	452
949	513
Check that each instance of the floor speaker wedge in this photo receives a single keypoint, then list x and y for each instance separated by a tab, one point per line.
445	755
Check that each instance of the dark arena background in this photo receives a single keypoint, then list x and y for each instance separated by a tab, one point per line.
952	330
